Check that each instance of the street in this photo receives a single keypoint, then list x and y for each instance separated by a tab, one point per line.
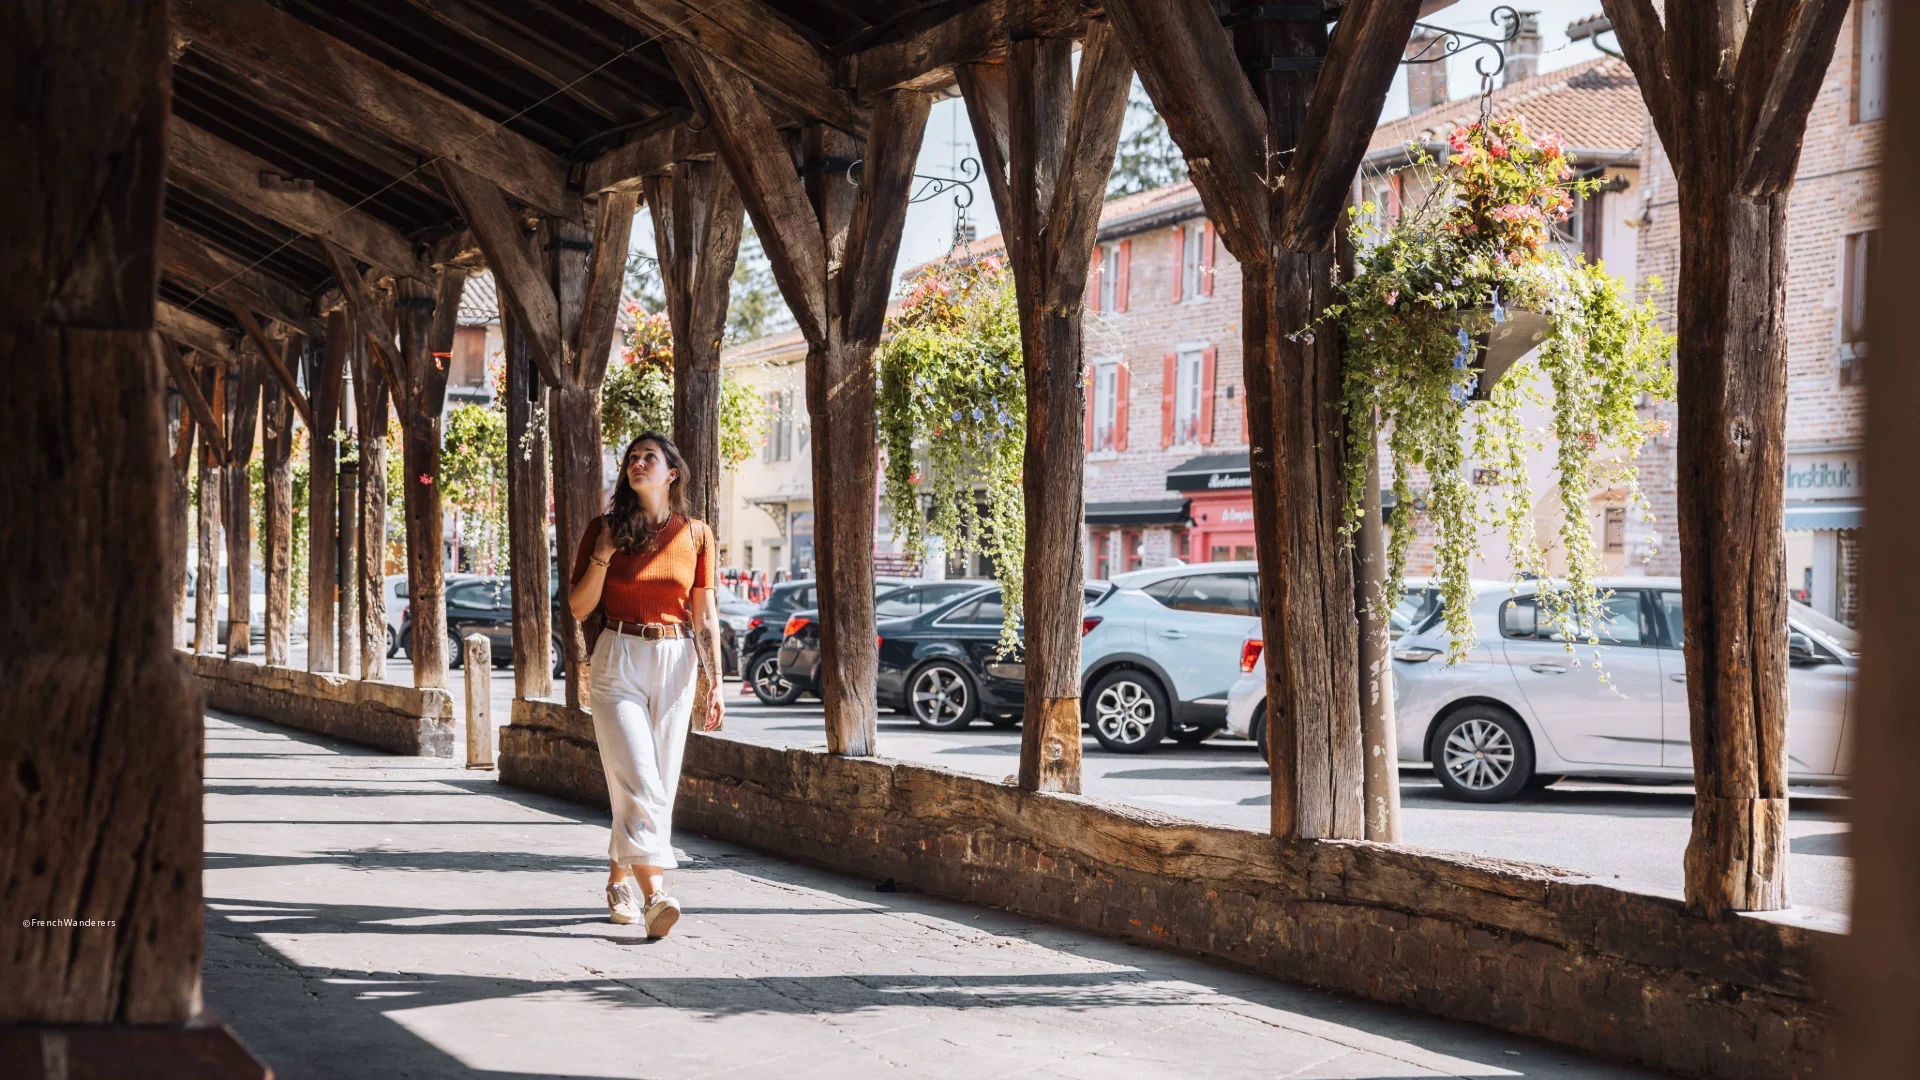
1633	832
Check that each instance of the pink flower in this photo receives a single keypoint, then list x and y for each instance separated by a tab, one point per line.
1458	140
427	479
1393	297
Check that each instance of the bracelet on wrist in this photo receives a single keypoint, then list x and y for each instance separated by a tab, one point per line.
601	563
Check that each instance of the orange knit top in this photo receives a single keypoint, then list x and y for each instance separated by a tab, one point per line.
656	585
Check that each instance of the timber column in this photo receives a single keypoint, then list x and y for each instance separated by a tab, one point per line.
243	414
529	563
325	366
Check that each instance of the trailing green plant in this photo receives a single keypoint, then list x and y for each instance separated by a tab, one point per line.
473	478
953	420
638	394
1426	291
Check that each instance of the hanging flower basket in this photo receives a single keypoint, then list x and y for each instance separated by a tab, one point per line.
1458	314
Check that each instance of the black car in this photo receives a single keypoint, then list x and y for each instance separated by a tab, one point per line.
800	646
944	667
483	604
760	646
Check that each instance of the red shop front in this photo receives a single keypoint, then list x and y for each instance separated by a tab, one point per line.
1219	490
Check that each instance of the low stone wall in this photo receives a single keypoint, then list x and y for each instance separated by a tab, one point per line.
1521	947
400	719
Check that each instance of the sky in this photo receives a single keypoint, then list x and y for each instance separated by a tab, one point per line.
949	136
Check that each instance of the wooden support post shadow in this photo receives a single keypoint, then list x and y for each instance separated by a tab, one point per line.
428	318
1729	85
100	814
1048	147
243	414
1272	161
529	564
276	544
563	300
326	366
832	245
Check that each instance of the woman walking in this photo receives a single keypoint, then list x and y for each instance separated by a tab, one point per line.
648	569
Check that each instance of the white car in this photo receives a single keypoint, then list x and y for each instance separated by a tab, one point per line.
1518	712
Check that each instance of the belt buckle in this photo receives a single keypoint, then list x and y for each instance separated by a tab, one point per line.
652	631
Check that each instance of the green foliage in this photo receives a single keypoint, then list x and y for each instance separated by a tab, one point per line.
1147	157
1425	289
638	395
473	479
953	418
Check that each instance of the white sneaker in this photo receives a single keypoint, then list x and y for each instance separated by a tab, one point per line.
662	912
623	902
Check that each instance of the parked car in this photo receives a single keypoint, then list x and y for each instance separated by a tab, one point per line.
735	614
482	604
1247	701
397	601
1519	713
1159	653
944	667
765	630
256	607
800	641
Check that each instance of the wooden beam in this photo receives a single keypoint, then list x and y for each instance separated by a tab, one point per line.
928	58
753	40
231	173
370	317
276	364
213	431
254	36
1093	136
243	412
183	327
1341	116
1642	38
886	182
1783	62
1187	63
521	280
761	164
237	284
528	484
606	274
628	165
276	518
984	86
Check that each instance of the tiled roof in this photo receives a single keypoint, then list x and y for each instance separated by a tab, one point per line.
1594	105
480	301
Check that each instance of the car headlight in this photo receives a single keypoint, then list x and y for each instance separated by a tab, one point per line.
1416	654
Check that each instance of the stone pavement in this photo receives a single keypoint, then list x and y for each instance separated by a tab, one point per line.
376	916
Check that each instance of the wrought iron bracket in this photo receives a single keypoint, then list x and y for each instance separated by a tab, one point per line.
1451	41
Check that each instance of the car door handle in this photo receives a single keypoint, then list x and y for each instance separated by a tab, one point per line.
1678	676
1545	668
1173	633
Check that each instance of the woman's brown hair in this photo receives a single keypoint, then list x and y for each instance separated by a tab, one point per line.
626	519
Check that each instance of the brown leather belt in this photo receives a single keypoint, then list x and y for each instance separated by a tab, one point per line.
652	631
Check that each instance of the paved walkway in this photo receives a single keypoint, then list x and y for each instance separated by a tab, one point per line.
374	916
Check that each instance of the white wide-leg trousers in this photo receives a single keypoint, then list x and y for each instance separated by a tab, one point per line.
642	699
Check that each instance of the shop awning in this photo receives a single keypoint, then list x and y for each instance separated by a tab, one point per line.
1138	512
1819	516
1211	472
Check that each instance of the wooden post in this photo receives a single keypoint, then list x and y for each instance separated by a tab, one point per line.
840	304
1879	975
370	397
528	562
427	323
1272	163
325	366
1381	742
1729	91
243	413
100	811
696	232
180	449
347	630
479	671
1050	147
276	550
208	490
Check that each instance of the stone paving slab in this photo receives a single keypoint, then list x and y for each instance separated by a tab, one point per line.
370	915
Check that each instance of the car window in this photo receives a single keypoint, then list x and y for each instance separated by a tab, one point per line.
899	604
1210	594
1166	591
1413	610
939	594
1623	621
478	594
985	611
1670	608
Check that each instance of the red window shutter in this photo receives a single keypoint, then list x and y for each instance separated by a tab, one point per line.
1120	278
1093	281
1166	401
1206	395
1246	433
1089	397
1206	261
1120	388
1179	253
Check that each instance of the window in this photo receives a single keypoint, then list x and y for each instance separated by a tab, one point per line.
1870	60
1109	277
1676	626
779	445
1106	407
1134	557
1102	557
985	611
1416	606
1187	397
1193	271
1613	529
1857	257
1623	621
899	604
476	595
1214	594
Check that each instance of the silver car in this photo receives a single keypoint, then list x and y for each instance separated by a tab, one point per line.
1520	711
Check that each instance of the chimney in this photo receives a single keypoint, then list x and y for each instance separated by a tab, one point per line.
1426	82
1523	52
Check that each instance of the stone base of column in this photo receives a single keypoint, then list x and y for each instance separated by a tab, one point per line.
203	1051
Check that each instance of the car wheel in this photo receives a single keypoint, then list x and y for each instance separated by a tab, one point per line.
1005	723
771	687
456	651
1259	727
559	658
1484	755
1128	712
942	697
1192	734
393	643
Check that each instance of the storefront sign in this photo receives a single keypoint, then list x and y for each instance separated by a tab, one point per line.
1219	480
1236	513
1826	475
